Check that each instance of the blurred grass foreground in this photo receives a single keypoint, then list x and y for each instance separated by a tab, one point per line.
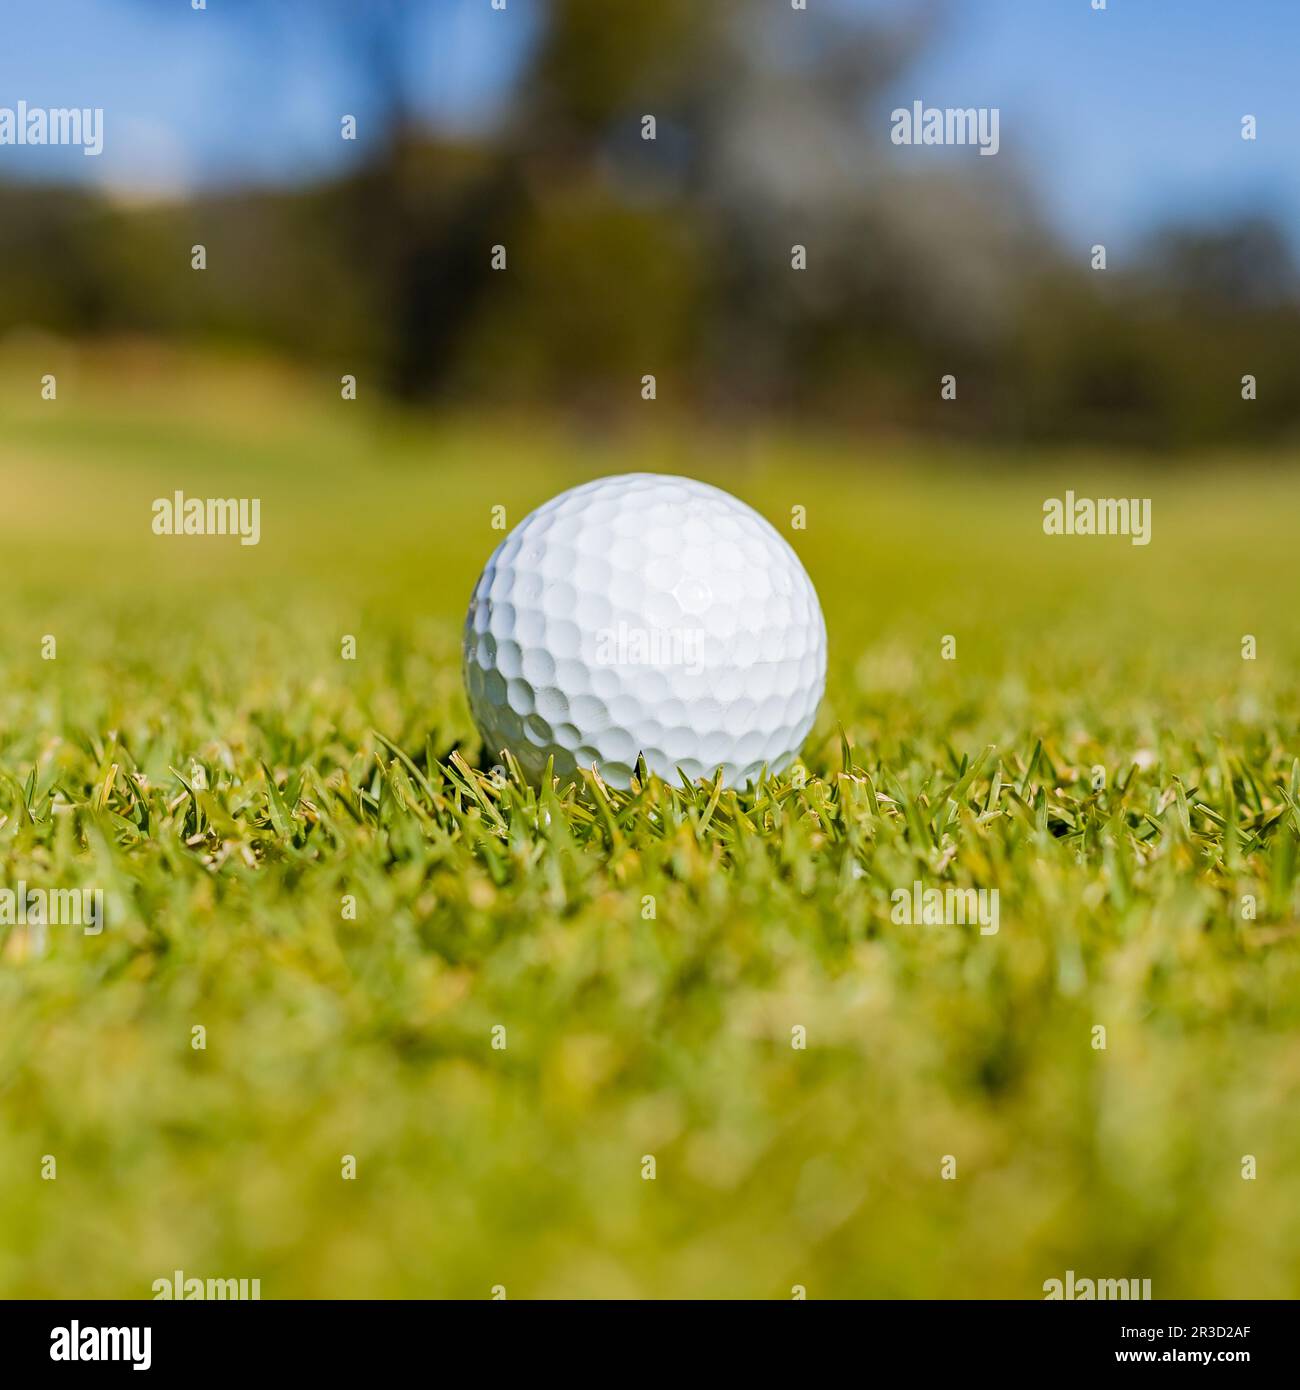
364	1021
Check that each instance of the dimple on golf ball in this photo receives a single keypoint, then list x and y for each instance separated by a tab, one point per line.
648	616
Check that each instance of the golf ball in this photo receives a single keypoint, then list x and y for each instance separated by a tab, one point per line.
645	615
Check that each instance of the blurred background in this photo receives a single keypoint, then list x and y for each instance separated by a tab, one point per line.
522	128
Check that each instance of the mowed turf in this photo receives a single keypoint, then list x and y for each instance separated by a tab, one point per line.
310	859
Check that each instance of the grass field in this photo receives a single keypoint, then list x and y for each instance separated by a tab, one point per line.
200	751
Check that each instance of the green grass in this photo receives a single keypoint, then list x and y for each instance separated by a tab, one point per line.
200	752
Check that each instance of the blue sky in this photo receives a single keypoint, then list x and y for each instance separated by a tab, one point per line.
1122	119
1131	116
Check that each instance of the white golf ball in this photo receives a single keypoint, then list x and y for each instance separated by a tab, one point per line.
649	616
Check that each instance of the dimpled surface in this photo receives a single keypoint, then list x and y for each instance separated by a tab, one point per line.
648	615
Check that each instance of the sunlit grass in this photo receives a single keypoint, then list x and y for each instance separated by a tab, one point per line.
313	860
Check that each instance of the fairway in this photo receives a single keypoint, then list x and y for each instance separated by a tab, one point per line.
672	1042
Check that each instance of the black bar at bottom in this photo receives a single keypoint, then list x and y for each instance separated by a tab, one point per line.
357	1337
